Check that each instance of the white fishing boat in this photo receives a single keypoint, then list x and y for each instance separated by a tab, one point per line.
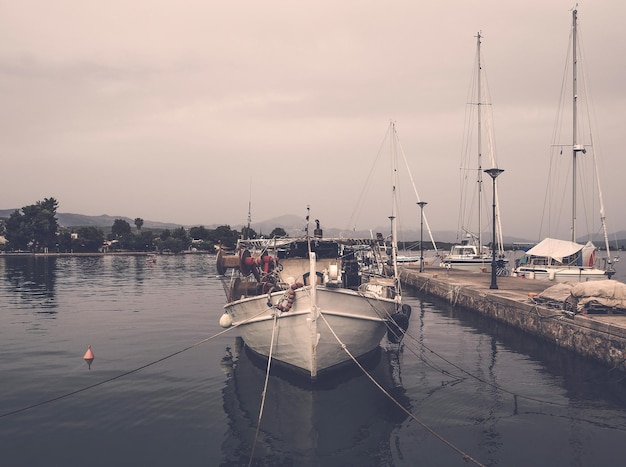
310	303
568	260
470	254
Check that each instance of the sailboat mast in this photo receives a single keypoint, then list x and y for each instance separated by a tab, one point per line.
394	204
479	142
575	147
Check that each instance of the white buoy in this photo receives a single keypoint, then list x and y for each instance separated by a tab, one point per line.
226	321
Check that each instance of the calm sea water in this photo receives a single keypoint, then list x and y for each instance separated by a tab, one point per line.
164	390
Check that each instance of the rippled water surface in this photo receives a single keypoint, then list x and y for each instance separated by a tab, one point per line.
165	390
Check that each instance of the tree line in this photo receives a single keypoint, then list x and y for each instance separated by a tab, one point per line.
35	229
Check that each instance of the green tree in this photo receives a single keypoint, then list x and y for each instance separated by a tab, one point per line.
248	233
121	231
17	234
224	235
90	240
278	232
181	234
144	241
64	241
120	228
199	233
139	224
35	227
200	238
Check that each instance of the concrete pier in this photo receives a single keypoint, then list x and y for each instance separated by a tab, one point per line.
598	336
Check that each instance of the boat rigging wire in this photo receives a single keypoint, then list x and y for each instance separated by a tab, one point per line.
436	367
264	393
130	372
466	457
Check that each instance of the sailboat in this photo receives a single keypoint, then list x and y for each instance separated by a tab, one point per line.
567	260
314	304
471	254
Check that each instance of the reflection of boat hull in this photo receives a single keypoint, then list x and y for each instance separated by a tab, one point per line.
305	342
344	420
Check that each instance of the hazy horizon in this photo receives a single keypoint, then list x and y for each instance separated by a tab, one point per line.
197	110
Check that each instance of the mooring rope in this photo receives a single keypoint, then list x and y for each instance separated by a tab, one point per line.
446	372
466	457
130	372
264	393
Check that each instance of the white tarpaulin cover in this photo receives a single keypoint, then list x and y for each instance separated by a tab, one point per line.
608	293
559	249
557	293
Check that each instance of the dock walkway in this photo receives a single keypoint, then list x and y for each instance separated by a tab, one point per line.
598	336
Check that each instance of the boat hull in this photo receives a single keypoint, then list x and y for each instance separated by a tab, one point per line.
468	265
302	338
475	265
573	274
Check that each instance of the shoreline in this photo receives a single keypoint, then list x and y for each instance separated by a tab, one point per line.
109	253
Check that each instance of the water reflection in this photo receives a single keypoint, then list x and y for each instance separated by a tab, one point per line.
31	281
345	420
584	389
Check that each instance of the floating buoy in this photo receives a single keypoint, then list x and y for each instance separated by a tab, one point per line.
226	321
89	356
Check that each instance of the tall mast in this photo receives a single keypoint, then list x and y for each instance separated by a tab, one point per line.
249	211
394	205
479	140
575	147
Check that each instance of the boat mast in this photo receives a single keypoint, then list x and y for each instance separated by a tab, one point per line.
575	147
247	236
479	141
394	209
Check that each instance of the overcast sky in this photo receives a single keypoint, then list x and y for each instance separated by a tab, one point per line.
184	111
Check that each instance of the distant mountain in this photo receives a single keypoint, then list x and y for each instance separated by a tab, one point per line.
104	220
293	225
70	220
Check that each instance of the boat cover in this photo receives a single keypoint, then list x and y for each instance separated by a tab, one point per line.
558	293
607	293
586	295
559	249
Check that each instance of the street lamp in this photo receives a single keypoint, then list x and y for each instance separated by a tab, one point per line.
493	173
421	205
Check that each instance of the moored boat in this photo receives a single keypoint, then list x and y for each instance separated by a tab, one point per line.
567	260
561	261
312	303
471	254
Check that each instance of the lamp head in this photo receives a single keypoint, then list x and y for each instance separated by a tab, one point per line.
494	172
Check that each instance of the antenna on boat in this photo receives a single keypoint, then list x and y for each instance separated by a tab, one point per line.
247	236
308	215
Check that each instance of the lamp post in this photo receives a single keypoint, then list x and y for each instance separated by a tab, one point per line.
421	205
393	240
493	173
